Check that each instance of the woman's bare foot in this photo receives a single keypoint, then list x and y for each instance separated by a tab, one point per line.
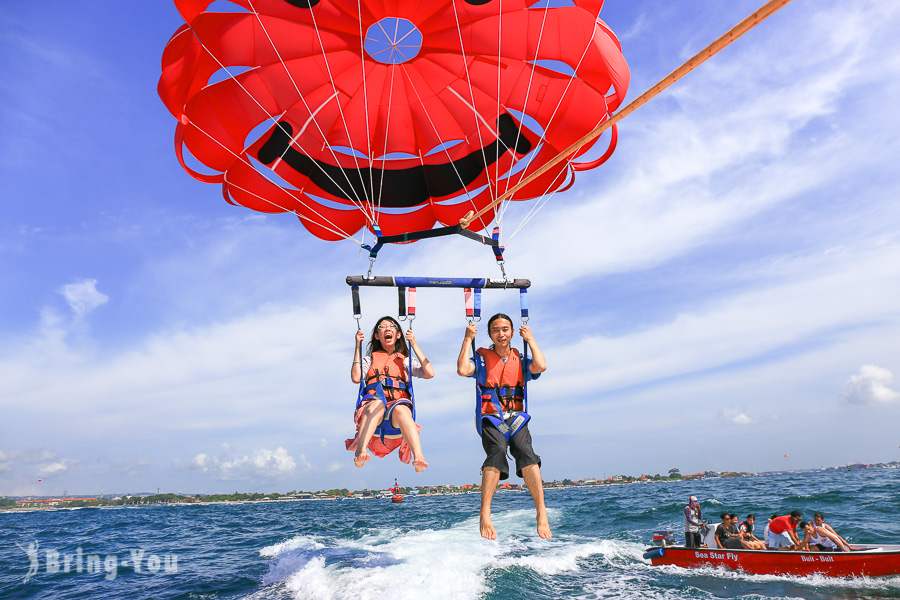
420	465
487	528
361	458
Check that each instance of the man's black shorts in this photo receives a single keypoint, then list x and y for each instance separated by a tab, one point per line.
519	446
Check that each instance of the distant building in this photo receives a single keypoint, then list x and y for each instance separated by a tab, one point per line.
50	501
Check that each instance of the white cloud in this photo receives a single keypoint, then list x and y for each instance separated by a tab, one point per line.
736	416
41	460
262	464
871	386
55	467
83	296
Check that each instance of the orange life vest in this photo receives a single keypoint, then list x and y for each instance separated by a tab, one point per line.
502	375
390	370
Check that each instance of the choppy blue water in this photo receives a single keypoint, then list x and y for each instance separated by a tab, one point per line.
429	547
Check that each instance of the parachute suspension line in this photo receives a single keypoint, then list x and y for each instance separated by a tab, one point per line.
767	10
545	197
340	108
362	63
490	127
331	227
538	205
572	77
462	50
270	117
445	150
535	208
537	50
499	74
387	128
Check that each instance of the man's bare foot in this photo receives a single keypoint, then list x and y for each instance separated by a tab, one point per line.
487	528
543	528
361	458
420	465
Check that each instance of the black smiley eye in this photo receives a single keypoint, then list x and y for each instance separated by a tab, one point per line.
477	2
302	3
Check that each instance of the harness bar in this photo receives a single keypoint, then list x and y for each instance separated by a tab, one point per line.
402	238
355	281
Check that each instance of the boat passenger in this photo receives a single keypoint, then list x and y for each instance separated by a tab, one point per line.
766	530
693	519
510	382
386	361
726	539
783	531
748	525
823	529
805	527
748	540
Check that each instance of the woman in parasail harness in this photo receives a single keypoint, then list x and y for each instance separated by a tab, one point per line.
385	401
500	378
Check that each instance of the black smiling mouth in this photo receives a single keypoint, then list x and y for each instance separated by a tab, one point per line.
394	188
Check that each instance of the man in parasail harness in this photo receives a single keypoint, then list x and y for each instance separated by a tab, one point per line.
500	417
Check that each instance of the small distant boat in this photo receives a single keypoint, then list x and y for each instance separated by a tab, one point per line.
397	497
868	561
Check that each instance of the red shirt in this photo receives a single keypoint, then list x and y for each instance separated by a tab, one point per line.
781	524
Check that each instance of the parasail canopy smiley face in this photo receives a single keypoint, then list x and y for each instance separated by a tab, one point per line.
391	112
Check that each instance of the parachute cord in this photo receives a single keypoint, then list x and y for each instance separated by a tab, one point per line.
535	208
528	92
362	62
499	73
271	118
446	150
294	82
340	108
387	127
331	227
550	121
462	50
714	48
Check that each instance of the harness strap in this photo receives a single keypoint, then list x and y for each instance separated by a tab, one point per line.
401	298
411	303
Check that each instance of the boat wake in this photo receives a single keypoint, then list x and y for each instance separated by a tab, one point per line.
433	564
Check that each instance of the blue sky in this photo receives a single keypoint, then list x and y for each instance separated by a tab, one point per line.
721	293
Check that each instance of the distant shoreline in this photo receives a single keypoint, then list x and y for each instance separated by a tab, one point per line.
109	504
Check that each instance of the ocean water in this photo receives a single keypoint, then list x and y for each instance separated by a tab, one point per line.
430	548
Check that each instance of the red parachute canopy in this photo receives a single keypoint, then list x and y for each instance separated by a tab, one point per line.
401	113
